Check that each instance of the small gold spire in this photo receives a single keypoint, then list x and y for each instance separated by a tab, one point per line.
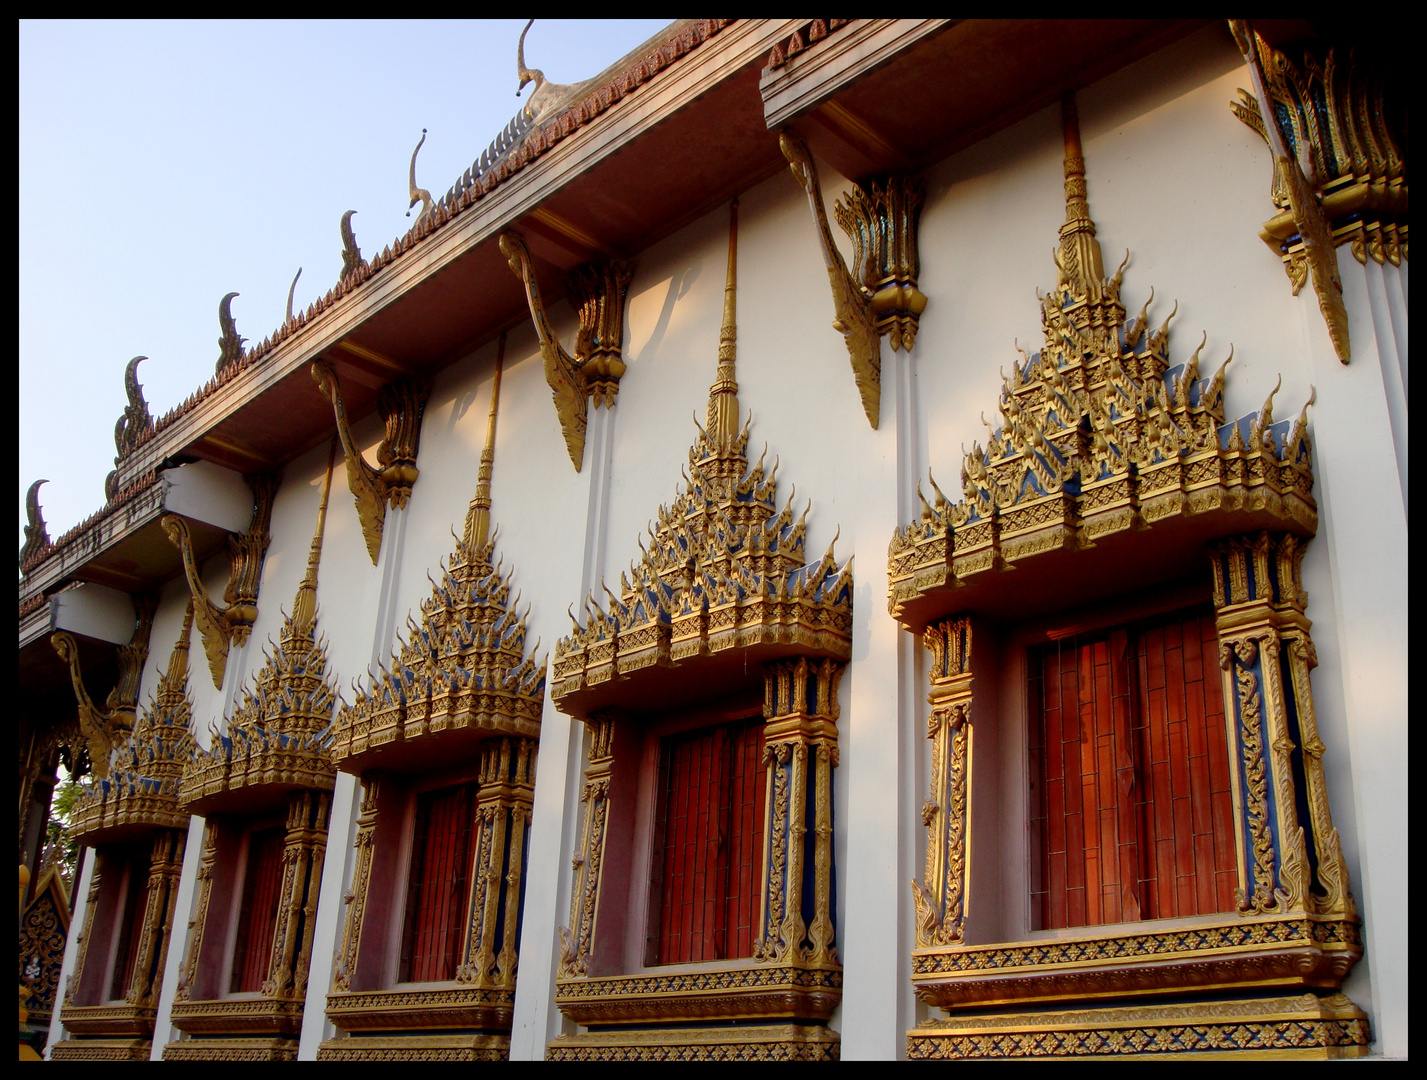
1080	262
722	424
478	517
304	607
178	659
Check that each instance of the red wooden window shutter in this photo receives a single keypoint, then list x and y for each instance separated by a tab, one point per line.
262	891
439	895
1132	816
711	819
132	925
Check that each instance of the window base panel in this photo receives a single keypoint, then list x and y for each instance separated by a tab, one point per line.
417	1048
102	1050
1307	1026
780	1043
232	1050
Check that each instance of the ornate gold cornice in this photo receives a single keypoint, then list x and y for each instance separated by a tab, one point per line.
423	1047
101	730
236	1049
464	666
411	1010
402	406
1340	166
744	992
880	217
224	625
142	788
1098	436
597	293
782	1042
725	568
272	737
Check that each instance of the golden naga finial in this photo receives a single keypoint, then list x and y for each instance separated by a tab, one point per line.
722	425
290	290
476	534
525	74
419	195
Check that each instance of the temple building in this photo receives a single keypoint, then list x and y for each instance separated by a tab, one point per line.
871	539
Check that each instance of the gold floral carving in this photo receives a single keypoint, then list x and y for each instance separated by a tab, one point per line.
1266	651
1340	166
44	925
883	298
355	900
424	1047
939	903
1098	436
402	406
230	623
597	293
254	1049
142	786
575	941
101	1050
188	970
1307	1026
272	737
98	732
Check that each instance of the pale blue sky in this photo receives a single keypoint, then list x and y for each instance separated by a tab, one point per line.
165	164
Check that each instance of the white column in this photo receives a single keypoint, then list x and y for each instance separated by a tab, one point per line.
555	814
339	862
872	872
66	971
1360	441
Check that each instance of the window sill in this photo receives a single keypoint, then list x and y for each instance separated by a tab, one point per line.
750	991
1231	953
239	1016
113	1020
449	1005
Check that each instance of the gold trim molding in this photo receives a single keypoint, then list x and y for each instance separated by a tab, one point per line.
1340	166
597	293
423	1047
880	217
231	1050
402	406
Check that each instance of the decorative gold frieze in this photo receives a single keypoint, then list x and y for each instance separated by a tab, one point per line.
142	787
101	1050
227	624
786	1042
96	732
880	216
254	1049
1340	166
750	991
597	293
1098	436
1307	1026
272	737
424	1047
402	406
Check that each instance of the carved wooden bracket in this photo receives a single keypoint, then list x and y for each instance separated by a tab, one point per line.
222	625
402	406
881	218
101	729
597	292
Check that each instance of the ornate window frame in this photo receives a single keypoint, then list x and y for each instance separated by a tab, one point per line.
1109	470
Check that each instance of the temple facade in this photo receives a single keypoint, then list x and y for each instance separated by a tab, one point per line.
869	539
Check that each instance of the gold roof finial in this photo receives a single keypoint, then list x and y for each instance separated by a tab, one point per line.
1081	266
478	517
177	676
722	424
304	606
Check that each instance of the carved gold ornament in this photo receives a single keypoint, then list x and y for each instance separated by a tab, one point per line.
135	426
37	537
1340	166
230	344
402	406
597	293
98	732
224	625
881	218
